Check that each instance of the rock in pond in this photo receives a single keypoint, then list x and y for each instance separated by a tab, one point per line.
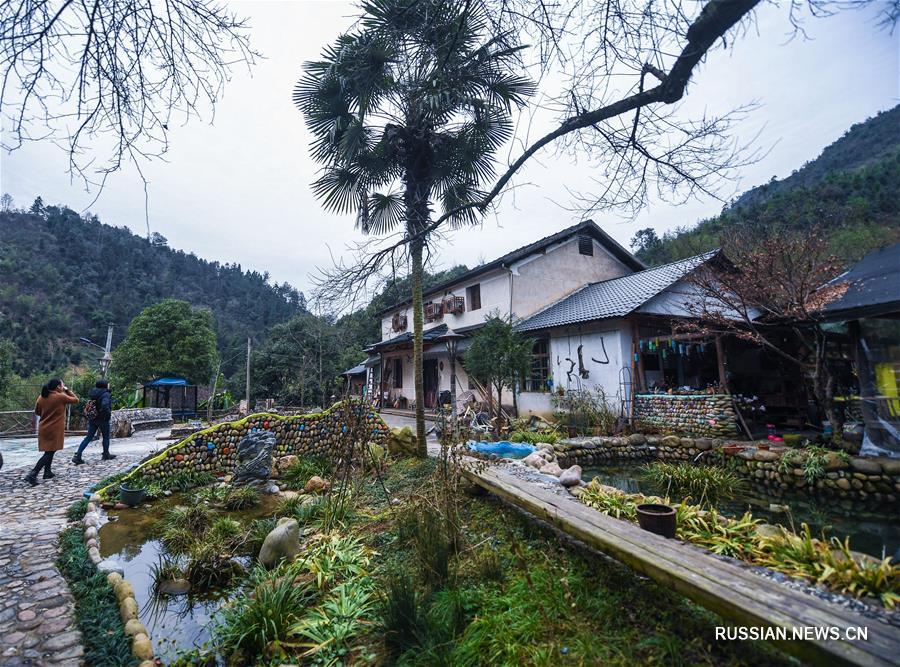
175	587
571	476
283	542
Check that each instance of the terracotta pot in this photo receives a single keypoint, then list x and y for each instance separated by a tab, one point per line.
762	446
731	449
658	519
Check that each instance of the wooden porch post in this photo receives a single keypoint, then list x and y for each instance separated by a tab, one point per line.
720	360
641	382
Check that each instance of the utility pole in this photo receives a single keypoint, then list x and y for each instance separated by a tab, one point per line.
248	375
107	353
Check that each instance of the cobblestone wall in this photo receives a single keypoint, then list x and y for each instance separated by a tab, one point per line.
860	479
710	415
214	449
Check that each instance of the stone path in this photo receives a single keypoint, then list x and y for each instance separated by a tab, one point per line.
37	622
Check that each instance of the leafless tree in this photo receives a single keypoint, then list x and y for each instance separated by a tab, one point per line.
615	71
769	289
112	73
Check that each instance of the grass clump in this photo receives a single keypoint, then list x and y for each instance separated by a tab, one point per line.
77	510
96	608
258	624
297	475
705	484
534	437
226	533
403	621
241	498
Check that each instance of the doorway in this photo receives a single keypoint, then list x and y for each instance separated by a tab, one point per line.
430	382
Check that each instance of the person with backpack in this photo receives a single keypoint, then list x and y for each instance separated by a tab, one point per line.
98	412
51	409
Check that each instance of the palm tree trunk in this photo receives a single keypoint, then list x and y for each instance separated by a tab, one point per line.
418	325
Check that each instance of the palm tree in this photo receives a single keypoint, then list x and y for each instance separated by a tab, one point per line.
407	111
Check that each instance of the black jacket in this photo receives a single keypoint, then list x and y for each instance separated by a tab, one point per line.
104	403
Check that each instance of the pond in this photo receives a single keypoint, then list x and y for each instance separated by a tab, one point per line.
176	623
870	531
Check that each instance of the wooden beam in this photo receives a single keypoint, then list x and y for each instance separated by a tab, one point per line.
720	361
720	585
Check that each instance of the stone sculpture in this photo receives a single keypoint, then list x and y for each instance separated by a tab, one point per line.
254	454
283	542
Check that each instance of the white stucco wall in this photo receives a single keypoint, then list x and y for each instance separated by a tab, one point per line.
616	341
537	281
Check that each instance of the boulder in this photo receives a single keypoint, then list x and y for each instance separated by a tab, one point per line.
282	543
109	566
551	468
637	439
703	444
282	463
271	488
834	462
402	442
890	466
141	648
765	455
135	627
316	484
535	460
867	466
571	476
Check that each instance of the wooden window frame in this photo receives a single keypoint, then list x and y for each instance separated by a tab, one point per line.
473	296
540	367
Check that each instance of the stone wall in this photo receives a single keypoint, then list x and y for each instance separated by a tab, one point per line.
214	449
861	479
142	418
710	415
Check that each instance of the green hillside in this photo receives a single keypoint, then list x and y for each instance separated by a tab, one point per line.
63	277
852	190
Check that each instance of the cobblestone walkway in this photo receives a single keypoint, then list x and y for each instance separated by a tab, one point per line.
37	622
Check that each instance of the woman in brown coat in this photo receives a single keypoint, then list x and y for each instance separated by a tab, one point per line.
51	408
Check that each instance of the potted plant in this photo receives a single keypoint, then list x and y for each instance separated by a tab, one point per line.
131	496
656	518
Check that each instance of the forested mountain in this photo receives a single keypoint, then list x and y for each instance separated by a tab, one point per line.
64	276
852	190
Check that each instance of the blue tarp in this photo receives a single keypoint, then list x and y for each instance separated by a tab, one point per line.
172	381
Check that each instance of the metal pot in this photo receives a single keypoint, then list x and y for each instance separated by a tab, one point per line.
658	519
131	497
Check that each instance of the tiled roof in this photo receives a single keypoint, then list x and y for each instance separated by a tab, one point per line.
359	369
588	227
612	298
406	337
874	286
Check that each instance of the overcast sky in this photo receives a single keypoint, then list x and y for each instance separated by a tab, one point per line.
238	189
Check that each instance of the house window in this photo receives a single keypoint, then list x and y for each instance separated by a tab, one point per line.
585	245
473	296
540	367
398	373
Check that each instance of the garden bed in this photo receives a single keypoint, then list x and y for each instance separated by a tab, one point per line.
380	581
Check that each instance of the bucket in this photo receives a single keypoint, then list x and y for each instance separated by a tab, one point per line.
131	497
658	519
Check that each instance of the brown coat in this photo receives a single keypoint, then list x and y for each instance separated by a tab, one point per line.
52	427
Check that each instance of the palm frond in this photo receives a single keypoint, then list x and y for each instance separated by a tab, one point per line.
384	213
338	189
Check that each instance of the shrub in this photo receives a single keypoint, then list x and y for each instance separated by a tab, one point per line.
96	608
178	539
534	437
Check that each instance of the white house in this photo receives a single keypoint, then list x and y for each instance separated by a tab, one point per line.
585	300
520	283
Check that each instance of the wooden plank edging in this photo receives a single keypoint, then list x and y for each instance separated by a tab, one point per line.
725	588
